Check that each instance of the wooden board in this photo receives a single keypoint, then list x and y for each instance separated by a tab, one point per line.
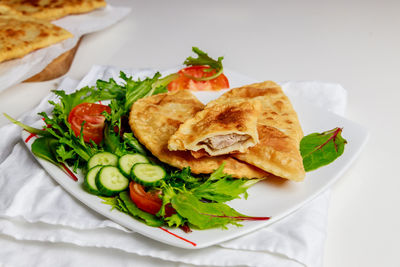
57	67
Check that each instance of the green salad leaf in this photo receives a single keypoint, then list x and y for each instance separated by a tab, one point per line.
69	101
124	204
203	215
175	220
45	148
27	128
125	95
202	198
320	149
132	142
61	130
183	178
63	154
221	187
204	59
130	208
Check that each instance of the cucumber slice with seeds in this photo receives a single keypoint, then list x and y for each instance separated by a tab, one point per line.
110	181
126	162
102	158
148	174
90	180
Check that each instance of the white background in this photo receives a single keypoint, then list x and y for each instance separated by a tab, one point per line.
354	43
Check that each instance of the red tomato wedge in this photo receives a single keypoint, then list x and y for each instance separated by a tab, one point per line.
94	121
184	82
148	201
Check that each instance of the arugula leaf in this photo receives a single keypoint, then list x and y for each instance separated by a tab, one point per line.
221	187
110	89
218	173
203	215
183	179
175	220
114	117
62	131
149	86
26	127
125	95
124	204
204	59
320	149
69	101
131	141
112	141
83	151
223	190
63	155
167	195
137	89
113	202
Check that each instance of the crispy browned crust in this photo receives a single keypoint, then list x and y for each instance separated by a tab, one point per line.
235	117
155	119
20	35
277	153
6	10
54	9
276	109
278	128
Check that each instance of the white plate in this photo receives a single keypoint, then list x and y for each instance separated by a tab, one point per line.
278	199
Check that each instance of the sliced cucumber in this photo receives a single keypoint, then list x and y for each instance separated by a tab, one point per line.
126	162
102	158
90	180
110	181
147	174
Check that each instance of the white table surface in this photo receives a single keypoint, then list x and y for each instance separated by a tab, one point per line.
354	43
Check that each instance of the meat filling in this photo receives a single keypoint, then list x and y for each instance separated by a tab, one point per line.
222	141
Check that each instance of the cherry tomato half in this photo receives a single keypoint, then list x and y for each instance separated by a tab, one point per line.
94	121
148	201
185	82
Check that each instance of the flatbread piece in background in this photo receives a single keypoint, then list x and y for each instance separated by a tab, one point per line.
279	131
221	129
155	119
20	35
53	9
6	10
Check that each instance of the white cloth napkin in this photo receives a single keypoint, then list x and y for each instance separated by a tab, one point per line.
53	229
18	70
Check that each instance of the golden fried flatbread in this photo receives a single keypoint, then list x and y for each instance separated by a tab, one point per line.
6	10
279	131
155	119
53	9
20	35
221	129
